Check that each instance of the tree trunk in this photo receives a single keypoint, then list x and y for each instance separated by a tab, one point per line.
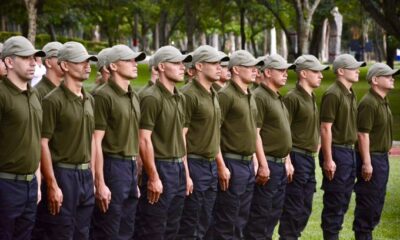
52	32
242	25
190	24
390	50
32	16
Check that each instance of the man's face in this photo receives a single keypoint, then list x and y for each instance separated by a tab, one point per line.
385	82
127	68
247	74
277	76
23	67
174	71
225	74
79	71
313	78
3	70
351	75
211	71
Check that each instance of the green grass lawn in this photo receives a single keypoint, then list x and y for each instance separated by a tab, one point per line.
387	229
360	88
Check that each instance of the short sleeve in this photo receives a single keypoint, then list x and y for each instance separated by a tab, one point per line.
365	118
329	106
291	106
224	103
190	107
101	112
149	109
50	112
260	110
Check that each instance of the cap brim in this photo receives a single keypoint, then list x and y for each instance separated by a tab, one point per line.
83	58
224	59
357	65
181	58
30	52
321	68
140	57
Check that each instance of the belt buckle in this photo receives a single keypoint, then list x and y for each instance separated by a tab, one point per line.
247	158
29	177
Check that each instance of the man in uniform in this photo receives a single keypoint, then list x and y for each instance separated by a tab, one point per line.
20	124
54	74
238	145
117	115
3	69
102	69
304	124
273	146
67	133
162	150
225	73
202	143
338	135
260	75
374	123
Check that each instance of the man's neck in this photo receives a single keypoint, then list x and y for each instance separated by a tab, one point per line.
74	85
306	87
381	92
220	83
243	86
271	86
21	84
168	84
121	82
205	83
345	83
52	76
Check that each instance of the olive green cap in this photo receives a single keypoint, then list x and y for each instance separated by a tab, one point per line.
346	61
20	46
51	49
170	54
309	62
276	61
381	69
74	52
102	58
243	58
207	53
123	52
224	62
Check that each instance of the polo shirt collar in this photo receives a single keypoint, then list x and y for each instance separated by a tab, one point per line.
275	95
16	90
239	89
344	89
72	96
118	89
165	91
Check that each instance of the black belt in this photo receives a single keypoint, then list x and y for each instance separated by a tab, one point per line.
18	177
238	156
199	157
120	157
170	160
81	166
304	152
347	146
275	159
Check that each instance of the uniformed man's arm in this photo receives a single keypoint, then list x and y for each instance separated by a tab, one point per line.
154	184
54	193
363	147
289	168
38	175
224	175
189	182
263	169
329	165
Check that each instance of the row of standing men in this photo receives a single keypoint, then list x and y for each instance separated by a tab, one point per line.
225	163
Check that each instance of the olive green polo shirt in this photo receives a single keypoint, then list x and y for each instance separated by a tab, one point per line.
96	87
163	113
20	127
339	107
303	118
117	112
375	118
216	86
273	120
254	85
203	120
142	90
68	123
44	87
238	116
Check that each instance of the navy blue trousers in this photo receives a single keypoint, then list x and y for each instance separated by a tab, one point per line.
197	211
73	221
370	196
18	201
119	220
299	196
337	193
232	206
267	204
160	221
